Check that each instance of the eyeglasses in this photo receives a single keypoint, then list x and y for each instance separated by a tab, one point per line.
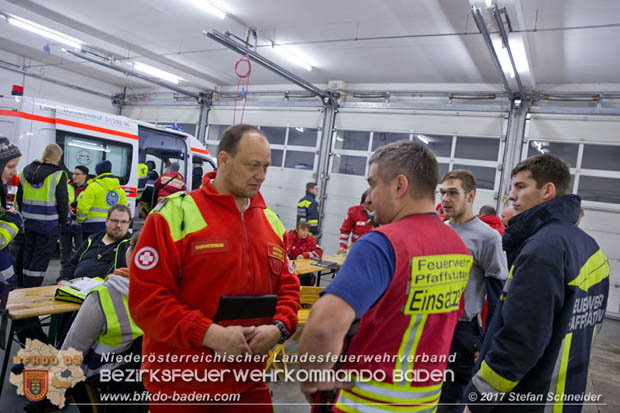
451	193
117	222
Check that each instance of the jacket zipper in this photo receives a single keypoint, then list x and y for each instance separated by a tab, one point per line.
247	253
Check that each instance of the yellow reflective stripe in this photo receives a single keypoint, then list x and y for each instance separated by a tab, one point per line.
275	222
495	380
397	394
313	221
304	204
409	343
112	336
8	231
510	273
182	214
135	330
349	402
595	270
559	390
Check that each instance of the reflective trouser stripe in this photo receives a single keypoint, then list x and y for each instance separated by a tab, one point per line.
7	273
350	403
31	273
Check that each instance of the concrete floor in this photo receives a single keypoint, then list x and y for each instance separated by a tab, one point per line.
604	374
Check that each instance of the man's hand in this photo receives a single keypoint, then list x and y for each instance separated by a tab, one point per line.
309	389
231	340
300	257
264	338
341	250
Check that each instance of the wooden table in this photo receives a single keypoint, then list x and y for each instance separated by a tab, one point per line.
306	266
26	303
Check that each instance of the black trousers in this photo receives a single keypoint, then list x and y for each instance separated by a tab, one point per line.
38	251
463	344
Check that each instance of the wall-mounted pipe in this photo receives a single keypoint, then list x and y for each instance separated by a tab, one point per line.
131	72
266	63
16	69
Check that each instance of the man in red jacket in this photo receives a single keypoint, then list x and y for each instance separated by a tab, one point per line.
488	215
219	240
359	220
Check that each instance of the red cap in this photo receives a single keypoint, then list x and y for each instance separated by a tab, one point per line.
17	90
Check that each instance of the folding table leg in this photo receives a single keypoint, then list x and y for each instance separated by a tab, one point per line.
7	354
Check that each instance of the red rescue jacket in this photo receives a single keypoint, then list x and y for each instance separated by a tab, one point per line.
494	222
195	248
357	222
169	183
302	246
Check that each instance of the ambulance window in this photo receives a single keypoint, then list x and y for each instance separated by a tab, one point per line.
87	150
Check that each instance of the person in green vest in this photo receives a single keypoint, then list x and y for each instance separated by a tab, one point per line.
71	235
103	326
103	191
143	172
44	203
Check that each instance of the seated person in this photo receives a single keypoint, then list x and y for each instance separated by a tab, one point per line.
301	245
102	327
103	252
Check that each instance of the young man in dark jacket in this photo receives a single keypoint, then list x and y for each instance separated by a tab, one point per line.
537	348
308	208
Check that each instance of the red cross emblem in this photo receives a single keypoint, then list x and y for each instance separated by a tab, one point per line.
146	258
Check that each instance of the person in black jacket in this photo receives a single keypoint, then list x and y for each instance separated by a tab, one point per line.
43	200
101	253
537	348
308	208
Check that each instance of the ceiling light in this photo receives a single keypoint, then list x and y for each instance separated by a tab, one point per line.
294	56
299	129
489	3
423	138
212	8
153	71
517	49
44	31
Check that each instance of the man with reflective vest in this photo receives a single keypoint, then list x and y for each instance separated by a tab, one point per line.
143	172
104	328
537	349
404	282
197	247
169	183
101	253
43	201
71	235
359	220
10	220
102	192
308	208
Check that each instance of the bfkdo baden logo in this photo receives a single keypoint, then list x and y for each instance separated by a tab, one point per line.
48	372
36	384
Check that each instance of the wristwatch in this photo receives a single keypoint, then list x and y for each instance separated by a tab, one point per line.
283	330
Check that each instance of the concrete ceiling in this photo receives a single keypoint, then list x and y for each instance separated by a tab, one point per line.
356	41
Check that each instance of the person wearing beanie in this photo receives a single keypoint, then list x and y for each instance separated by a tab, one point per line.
102	192
170	182
71	235
10	220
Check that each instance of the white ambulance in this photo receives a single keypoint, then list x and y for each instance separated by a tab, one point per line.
87	137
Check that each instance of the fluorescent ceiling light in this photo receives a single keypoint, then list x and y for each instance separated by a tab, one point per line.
423	138
489	3
44	31
153	71
294	56
212	7
518	54
299	129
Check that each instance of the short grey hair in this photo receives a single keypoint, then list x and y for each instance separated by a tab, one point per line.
411	159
